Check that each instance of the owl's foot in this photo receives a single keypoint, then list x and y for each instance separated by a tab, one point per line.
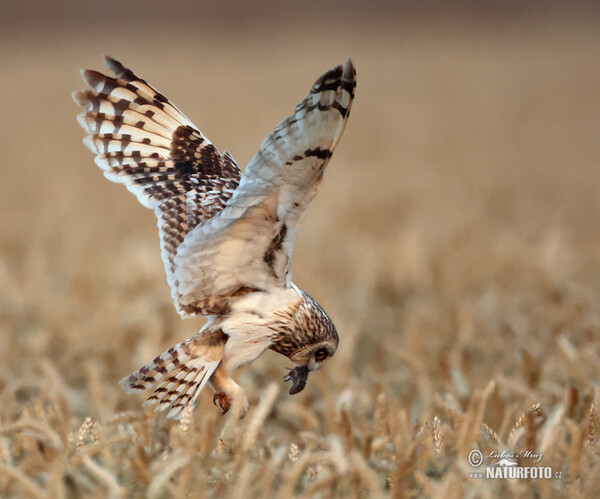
228	393
223	400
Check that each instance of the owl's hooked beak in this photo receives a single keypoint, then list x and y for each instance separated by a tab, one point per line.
298	377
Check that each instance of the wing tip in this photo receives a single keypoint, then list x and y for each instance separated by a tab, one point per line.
118	69
348	70
175	412
79	97
81	119
129	387
93	79
88	141
342	75
112	64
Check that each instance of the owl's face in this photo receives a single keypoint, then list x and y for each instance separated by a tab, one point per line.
309	359
308	338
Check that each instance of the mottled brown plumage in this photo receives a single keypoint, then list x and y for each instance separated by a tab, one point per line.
226	239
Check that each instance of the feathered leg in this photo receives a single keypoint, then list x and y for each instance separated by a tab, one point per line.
227	390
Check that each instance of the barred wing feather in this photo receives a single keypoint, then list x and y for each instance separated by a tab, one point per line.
144	142
221	233
250	242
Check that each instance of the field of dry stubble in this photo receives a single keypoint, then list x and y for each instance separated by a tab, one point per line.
454	242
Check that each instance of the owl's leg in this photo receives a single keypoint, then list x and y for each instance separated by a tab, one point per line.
227	390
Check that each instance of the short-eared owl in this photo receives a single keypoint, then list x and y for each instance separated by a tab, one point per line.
226	238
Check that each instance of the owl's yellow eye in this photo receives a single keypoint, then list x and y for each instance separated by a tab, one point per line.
321	354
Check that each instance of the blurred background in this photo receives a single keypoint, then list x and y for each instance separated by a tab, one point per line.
454	240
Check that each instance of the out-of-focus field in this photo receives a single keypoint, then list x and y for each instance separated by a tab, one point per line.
455	243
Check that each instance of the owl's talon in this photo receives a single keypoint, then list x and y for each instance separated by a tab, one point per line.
224	401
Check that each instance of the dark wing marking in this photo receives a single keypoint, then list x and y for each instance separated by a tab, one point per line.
144	142
250	243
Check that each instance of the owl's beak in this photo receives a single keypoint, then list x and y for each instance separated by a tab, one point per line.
298	377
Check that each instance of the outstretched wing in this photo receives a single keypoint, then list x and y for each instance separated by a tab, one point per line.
249	244
144	142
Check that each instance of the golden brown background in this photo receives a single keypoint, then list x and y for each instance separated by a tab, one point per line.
454	242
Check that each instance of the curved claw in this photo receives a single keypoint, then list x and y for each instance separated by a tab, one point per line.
224	401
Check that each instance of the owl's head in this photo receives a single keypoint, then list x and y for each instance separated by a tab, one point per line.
309	339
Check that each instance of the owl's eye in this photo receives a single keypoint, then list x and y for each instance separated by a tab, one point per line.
321	354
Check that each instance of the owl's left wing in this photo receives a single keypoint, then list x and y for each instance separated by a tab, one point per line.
251	241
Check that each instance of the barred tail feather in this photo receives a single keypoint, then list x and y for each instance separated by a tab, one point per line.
182	387
181	373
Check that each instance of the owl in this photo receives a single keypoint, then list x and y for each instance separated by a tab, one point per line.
226	237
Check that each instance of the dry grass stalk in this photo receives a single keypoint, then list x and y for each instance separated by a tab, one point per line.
452	488
258	417
428	488
272	470
551	430
455	416
105	477
160	481
577	436
36	429
490	432
140	464
315	488
85	428
4	452
336	456
306	416
530	432
572	401
346	430
186	418
291	474
533	411
311	473
29	488
592	489
365	475
381	425
591	431
242	483
421	430
367	446
406	463
437	434
471	423
124	417
225	447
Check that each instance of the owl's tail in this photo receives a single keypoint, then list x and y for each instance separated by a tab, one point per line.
181	373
